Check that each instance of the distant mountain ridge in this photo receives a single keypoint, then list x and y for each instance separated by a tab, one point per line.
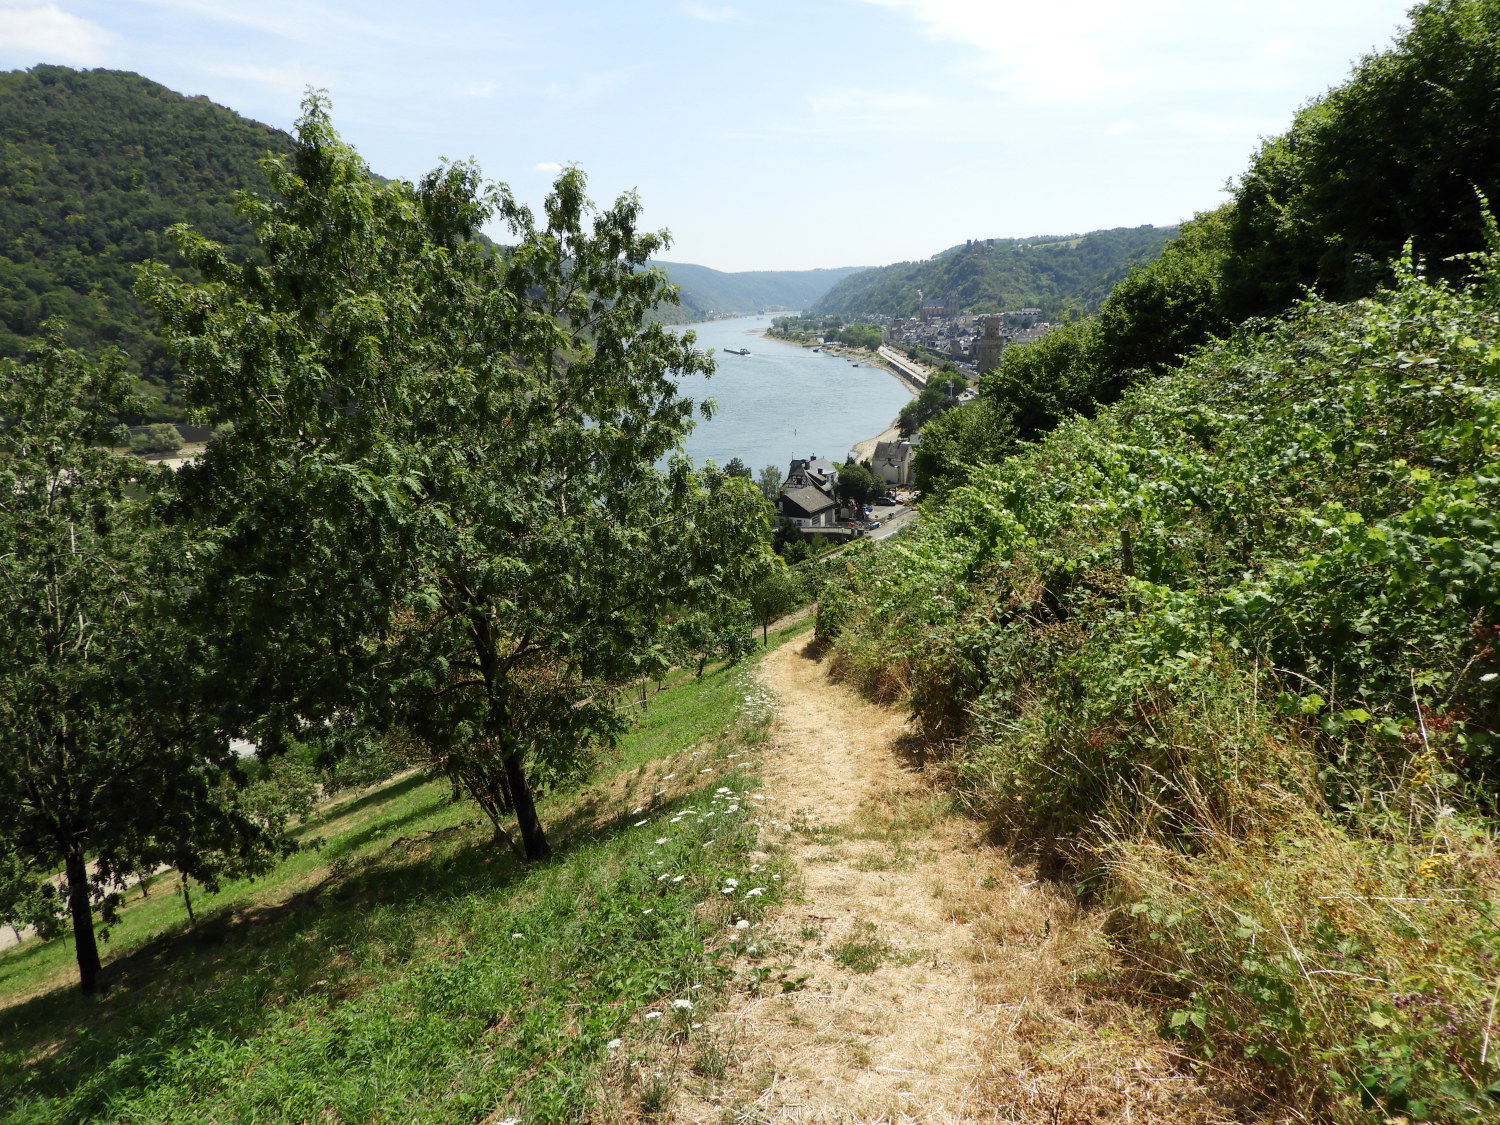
998	274
96	164
708	292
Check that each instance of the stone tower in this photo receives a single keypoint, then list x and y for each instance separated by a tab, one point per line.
988	347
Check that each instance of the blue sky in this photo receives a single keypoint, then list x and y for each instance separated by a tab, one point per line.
767	134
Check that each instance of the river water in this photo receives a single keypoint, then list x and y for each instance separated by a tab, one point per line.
783	401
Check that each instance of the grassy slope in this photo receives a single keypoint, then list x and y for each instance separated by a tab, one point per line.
1228	651
411	970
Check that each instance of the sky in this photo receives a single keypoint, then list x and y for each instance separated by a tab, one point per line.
767	134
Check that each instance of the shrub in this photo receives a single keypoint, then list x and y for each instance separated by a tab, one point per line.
159	437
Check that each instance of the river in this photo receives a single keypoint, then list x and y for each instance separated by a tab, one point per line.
783	401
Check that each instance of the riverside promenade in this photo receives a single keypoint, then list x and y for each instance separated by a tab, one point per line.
904	367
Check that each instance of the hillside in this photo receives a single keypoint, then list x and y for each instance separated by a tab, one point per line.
1203	610
94	166
995	274
709	292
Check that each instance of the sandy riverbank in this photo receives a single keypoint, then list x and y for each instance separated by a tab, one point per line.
864	450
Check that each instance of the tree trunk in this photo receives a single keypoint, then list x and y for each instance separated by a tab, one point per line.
533	839
187	900
82	911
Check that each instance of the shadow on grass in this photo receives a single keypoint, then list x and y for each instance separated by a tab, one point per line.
378	796
227	976
231	976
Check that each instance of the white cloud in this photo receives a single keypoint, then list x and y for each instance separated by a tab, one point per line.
478	89
721	14
287	82
551	167
46	31
1075	50
1120	128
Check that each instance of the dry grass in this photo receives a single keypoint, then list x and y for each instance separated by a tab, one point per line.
918	974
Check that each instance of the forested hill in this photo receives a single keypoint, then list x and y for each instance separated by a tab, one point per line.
708	292
996	274
94	166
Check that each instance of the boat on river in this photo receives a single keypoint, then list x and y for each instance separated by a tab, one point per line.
738	351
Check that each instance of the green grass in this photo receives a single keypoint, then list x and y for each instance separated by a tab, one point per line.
420	973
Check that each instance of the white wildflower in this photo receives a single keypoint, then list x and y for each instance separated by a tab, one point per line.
613	1045
685	1005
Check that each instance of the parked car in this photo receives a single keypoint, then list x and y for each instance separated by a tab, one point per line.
886	501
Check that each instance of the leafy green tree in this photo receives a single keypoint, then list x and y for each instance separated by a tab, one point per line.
1395	153
859	336
107	770
770	480
778	593
159	437
698	636
940	394
858	483
737	468
439	509
27	897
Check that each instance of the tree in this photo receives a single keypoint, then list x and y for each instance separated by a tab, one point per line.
858	483
27	897
1393	154
699	636
737	468
439	509
940	394
778	593
159	437
107	768
770	481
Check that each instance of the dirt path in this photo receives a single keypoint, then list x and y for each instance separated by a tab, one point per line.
938	980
